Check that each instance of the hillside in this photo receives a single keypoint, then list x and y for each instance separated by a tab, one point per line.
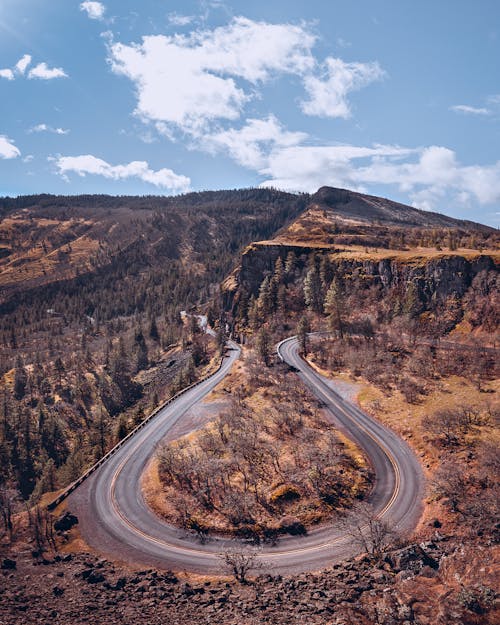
91	339
383	254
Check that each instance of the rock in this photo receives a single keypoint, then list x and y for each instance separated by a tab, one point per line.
92	576
65	522
57	591
8	564
411	558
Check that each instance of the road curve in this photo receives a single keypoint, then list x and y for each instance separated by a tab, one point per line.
115	520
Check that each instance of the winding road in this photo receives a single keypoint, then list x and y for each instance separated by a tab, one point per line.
115	520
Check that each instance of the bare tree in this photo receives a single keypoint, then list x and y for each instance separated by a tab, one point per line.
368	531
240	562
451	481
450	425
41	524
9	502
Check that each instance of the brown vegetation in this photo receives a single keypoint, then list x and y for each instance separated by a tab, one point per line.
269	464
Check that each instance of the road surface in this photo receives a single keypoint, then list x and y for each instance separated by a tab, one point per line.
115	520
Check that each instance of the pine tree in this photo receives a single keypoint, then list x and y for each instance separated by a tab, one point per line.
312	290
20	379
263	345
153	330
303	328
334	308
265	300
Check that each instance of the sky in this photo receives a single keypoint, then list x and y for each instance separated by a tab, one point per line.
390	97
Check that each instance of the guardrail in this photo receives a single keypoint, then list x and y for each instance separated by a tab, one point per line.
74	485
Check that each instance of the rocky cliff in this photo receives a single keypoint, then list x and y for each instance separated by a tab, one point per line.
435	276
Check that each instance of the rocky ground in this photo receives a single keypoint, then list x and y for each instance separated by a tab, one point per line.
431	583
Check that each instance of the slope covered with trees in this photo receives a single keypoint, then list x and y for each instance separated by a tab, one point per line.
91	288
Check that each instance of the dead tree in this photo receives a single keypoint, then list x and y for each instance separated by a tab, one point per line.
240	562
368	531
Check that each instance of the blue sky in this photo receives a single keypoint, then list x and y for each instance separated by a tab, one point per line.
392	97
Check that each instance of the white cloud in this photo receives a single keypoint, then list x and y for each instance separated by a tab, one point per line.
43	72
7	148
188	81
8	74
328	93
432	176
22	64
46	128
94	10
250	145
305	168
469	110
176	19
89	164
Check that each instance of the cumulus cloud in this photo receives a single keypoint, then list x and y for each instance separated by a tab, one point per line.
47	128
22	65
7	148
8	74
187	81
469	110
90	165
40	71
427	174
328	92
43	72
251	144
94	10
305	168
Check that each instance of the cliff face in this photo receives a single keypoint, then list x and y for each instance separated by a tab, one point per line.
435	277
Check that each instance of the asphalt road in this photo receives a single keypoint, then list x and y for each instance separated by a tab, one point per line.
115	520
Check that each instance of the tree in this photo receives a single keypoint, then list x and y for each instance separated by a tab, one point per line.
334	308
9	501
20	379
368	531
313	295
449	424
451	481
264	346
153	330
240	562
303	328
141	351
265	300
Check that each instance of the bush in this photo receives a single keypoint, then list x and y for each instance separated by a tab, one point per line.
292	526
284	494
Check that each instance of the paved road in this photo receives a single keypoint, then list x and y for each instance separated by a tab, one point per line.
115	520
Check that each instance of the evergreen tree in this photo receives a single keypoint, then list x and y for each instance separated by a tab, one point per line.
303	328
265	298
263	345
20	379
153	330
312	290
334	308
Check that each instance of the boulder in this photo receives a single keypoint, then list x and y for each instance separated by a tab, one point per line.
65	522
8	564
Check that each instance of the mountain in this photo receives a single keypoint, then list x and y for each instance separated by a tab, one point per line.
362	208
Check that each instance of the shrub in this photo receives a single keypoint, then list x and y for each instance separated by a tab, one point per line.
285	494
292	526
